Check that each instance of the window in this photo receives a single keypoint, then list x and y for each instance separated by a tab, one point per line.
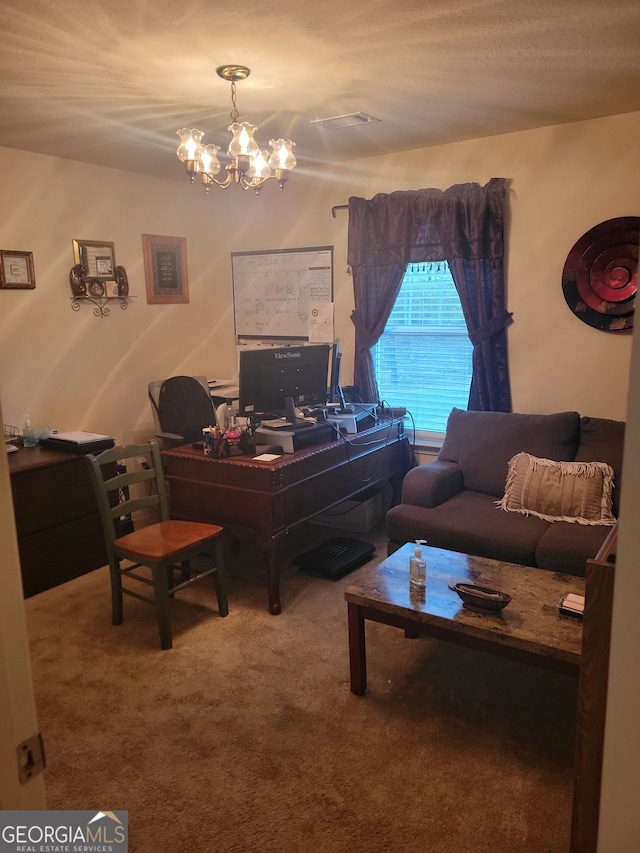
423	358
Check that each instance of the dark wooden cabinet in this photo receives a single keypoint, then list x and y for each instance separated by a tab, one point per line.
57	520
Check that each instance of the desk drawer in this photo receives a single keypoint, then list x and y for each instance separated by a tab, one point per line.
271	510
52	495
215	503
53	556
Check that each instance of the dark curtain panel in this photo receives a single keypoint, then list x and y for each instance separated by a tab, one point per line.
375	289
462	225
480	286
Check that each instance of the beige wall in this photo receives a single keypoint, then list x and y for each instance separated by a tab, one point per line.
72	370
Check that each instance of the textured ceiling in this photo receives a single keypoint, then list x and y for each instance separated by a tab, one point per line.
110	81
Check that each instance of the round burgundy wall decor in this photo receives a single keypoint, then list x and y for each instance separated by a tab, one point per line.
600	275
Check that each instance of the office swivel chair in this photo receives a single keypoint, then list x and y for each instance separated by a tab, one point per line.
181	407
166	547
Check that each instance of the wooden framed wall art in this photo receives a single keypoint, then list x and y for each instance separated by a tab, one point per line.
98	259
17	271
165	269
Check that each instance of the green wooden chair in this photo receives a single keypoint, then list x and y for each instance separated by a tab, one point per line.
165	546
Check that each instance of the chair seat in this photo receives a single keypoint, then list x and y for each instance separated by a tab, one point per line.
165	539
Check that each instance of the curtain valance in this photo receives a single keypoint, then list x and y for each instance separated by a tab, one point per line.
464	221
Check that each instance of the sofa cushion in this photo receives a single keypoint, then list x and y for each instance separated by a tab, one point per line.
471	524
559	491
482	443
602	440
567	547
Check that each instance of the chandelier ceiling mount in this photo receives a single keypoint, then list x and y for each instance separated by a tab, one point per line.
249	166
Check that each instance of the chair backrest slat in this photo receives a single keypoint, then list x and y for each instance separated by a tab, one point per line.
125	479
131	505
130	486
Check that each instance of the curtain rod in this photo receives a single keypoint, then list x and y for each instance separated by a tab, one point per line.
338	207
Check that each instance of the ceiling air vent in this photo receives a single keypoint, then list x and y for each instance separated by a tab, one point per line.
349	120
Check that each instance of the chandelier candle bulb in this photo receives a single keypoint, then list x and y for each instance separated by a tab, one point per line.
418	566
209	159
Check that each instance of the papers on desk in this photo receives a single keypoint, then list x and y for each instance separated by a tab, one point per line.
11	448
78	441
267	457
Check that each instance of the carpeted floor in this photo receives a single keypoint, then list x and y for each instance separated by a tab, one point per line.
245	737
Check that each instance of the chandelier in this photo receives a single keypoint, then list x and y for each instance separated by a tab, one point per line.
250	167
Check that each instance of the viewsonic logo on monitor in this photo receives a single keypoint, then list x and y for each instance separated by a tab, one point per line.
293	354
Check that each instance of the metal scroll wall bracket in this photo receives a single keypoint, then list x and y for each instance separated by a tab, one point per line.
98	291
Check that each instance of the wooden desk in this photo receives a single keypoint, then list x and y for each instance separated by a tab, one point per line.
266	499
57	520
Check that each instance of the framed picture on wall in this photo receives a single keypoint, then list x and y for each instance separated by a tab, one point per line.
17	271
98	258
165	269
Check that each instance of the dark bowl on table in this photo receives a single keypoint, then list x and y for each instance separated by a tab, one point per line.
481	597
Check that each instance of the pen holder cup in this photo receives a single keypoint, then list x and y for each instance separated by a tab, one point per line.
220	448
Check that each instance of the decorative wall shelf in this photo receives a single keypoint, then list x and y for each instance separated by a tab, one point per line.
101	303
99	290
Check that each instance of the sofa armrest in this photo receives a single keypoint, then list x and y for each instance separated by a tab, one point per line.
432	484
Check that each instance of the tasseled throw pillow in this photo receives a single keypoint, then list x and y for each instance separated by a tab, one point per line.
559	491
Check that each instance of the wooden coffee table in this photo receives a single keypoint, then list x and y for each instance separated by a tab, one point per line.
529	629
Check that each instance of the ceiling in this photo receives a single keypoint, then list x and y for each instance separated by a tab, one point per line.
110	81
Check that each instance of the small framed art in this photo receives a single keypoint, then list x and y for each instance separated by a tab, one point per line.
165	269
97	257
17	271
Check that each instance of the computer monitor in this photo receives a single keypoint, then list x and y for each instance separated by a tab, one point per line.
335	394
272	381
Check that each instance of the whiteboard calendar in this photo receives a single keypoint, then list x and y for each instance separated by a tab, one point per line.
273	291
